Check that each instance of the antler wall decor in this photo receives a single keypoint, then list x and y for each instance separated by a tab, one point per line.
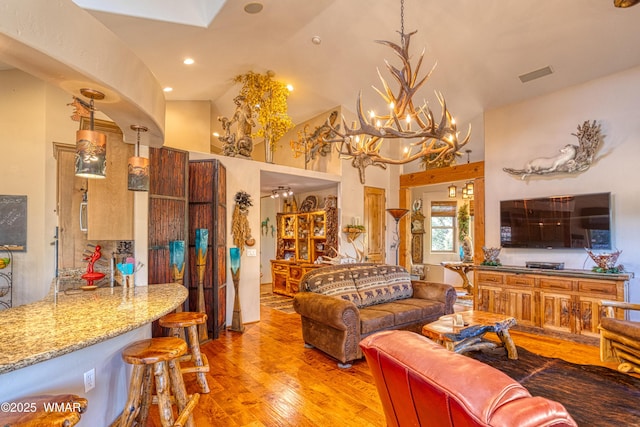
316	143
431	139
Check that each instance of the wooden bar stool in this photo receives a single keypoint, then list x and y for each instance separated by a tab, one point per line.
190	321
61	410
155	360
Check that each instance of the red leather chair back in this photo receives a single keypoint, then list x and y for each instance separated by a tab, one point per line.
420	383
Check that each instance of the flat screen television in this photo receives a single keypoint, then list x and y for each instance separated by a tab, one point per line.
558	222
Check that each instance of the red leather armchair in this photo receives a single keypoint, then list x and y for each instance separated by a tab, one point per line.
422	384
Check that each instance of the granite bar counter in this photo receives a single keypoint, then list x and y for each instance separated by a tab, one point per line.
46	347
54	326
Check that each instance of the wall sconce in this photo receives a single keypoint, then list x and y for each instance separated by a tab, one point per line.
465	194
281	192
91	146
469	187
452	191
138	170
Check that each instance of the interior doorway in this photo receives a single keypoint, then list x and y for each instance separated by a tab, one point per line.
374	222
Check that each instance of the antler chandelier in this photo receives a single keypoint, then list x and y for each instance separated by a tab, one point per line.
430	139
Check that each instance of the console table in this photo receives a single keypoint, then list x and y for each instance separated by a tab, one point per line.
462	268
567	302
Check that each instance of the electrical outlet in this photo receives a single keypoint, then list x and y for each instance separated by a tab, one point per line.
252	252
89	380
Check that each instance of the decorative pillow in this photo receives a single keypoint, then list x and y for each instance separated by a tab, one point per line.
333	281
399	279
371	285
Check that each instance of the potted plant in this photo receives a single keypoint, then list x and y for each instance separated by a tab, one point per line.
466	251
268	97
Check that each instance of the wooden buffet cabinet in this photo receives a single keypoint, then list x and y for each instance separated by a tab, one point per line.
551	301
302	239
286	275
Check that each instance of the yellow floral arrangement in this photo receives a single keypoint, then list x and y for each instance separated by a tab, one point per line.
269	98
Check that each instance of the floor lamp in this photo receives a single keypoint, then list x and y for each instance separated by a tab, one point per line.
397	214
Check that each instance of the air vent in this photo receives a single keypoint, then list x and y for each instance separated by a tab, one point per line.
524	78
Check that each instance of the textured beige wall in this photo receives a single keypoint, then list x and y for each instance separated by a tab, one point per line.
188	125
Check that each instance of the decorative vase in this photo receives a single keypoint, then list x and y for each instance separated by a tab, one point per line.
201	243
236	321
491	256
268	151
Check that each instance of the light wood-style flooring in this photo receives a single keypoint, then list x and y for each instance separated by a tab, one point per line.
265	377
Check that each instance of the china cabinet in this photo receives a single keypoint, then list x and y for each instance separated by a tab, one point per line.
306	237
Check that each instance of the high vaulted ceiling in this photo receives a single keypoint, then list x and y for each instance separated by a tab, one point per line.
480	47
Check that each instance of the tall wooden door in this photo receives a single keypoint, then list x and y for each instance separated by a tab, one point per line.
208	209
374	222
168	180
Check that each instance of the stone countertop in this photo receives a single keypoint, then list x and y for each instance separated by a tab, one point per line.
52	327
586	274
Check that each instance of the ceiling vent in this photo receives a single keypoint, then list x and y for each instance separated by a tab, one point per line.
536	74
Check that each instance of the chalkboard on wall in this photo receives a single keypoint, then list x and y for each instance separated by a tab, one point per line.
13	222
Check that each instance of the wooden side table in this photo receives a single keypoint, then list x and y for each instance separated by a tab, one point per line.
469	335
462	268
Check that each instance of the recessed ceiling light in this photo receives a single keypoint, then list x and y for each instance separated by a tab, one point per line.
316	40
188	61
167	89
290	87
253	7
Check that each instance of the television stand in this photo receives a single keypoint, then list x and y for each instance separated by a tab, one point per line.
555	301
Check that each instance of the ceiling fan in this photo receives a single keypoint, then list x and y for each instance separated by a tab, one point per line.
625	3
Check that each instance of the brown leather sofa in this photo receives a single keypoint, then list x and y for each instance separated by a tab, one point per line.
341	304
420	383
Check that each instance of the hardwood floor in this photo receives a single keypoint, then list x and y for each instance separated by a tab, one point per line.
265	377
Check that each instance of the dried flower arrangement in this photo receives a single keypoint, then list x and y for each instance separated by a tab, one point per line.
240	229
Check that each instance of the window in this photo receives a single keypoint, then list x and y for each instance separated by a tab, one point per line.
443	220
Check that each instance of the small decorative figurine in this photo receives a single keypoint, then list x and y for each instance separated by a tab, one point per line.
90	276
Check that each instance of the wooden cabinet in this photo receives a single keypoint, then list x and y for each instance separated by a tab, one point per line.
93	211
286	275
110	203
304	237
564	301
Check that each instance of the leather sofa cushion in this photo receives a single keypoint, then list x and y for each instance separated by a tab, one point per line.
626	328
336	281
402	313
372	320
430	309
374	287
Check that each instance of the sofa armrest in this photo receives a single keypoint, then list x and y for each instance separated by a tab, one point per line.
326	309
435	291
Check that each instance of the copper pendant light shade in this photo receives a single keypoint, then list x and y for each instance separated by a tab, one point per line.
138	167
91	146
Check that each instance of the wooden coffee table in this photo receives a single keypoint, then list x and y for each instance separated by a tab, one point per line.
469	337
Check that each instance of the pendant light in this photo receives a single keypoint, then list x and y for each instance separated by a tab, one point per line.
452	191
138	170
91	146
